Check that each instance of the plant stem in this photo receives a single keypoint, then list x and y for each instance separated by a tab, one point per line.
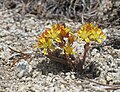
86	48
69	61
49	51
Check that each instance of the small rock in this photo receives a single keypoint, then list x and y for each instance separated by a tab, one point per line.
20	74
51	89
67	77
23	68
22	88
3	33
28	79
117	90
109	78
48	78
105	30
35	74
103	81
68	74
8	42
72	76
94	51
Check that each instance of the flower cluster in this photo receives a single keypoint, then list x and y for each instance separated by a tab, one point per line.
60	36
90	32
56	36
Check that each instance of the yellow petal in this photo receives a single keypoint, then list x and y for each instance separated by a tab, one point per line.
103	36
35	45
92	37
99	40
87	40
45	51
58	39
73	52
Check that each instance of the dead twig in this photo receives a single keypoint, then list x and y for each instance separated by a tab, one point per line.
60	60
23	56
107	85
112	88
17	51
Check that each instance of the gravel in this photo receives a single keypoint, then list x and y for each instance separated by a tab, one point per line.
41	75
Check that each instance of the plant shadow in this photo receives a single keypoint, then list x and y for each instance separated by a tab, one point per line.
52	67
91	71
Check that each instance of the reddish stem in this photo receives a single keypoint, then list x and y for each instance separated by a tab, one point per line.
86	48
68	59
81	63
49	51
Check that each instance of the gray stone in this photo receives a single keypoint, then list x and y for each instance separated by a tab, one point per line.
23	68
94	52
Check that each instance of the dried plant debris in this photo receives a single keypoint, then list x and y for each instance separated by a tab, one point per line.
106	11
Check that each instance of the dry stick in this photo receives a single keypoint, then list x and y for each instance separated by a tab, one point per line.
111	87
60	60
108	87
25	56
17	51
15	61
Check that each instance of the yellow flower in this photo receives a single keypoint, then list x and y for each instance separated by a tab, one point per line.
84	34
41	41
90	32
68	49
97	35
46	34
44	43
59	32
54	35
